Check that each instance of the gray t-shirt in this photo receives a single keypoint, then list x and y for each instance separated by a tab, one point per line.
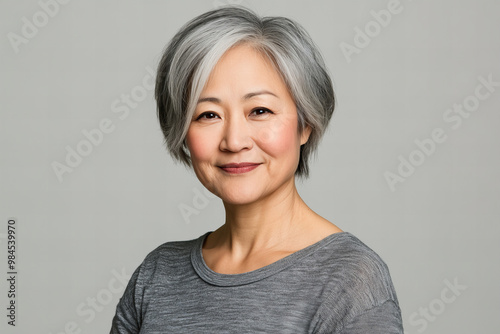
337	285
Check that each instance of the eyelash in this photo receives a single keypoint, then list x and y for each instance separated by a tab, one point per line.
253	110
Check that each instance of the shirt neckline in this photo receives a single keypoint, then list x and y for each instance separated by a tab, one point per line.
215	278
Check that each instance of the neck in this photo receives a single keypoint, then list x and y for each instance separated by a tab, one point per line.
264	224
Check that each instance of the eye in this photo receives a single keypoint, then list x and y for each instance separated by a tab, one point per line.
261	111
207	115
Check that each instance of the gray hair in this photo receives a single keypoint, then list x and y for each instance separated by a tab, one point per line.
194	51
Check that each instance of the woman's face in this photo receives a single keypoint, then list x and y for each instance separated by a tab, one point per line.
245	114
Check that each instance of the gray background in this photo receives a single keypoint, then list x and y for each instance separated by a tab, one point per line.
126	196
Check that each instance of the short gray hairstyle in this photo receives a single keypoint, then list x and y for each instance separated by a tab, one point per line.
194	51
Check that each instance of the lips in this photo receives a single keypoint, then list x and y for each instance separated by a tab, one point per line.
238	168
239	165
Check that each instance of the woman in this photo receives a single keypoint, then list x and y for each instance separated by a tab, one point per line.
244	101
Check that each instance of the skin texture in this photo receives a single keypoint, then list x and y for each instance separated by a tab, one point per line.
246	114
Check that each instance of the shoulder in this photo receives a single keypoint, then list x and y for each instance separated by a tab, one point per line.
346	254
358	280
171	248
167	260
171	252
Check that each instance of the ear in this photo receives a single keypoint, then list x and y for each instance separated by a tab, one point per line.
304	137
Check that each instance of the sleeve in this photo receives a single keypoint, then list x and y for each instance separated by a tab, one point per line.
382	319
127	318
361	297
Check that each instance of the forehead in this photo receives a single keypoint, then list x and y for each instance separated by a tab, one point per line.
244	65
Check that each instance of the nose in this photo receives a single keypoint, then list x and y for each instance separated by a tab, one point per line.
236	134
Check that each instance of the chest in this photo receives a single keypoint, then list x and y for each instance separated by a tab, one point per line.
242	309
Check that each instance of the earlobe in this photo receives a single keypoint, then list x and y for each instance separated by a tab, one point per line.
305	135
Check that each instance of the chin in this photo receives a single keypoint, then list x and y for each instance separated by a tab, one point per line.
240	195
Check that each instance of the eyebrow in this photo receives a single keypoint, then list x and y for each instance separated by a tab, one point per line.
245	97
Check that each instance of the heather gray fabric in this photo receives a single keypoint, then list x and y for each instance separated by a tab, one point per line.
337	285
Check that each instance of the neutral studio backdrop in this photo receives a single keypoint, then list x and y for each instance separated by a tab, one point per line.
409	165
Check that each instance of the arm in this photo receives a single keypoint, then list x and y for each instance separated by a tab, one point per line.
126	319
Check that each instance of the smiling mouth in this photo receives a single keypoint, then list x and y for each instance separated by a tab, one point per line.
235	168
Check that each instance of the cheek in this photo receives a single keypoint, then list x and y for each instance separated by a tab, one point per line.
279	138
200	145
